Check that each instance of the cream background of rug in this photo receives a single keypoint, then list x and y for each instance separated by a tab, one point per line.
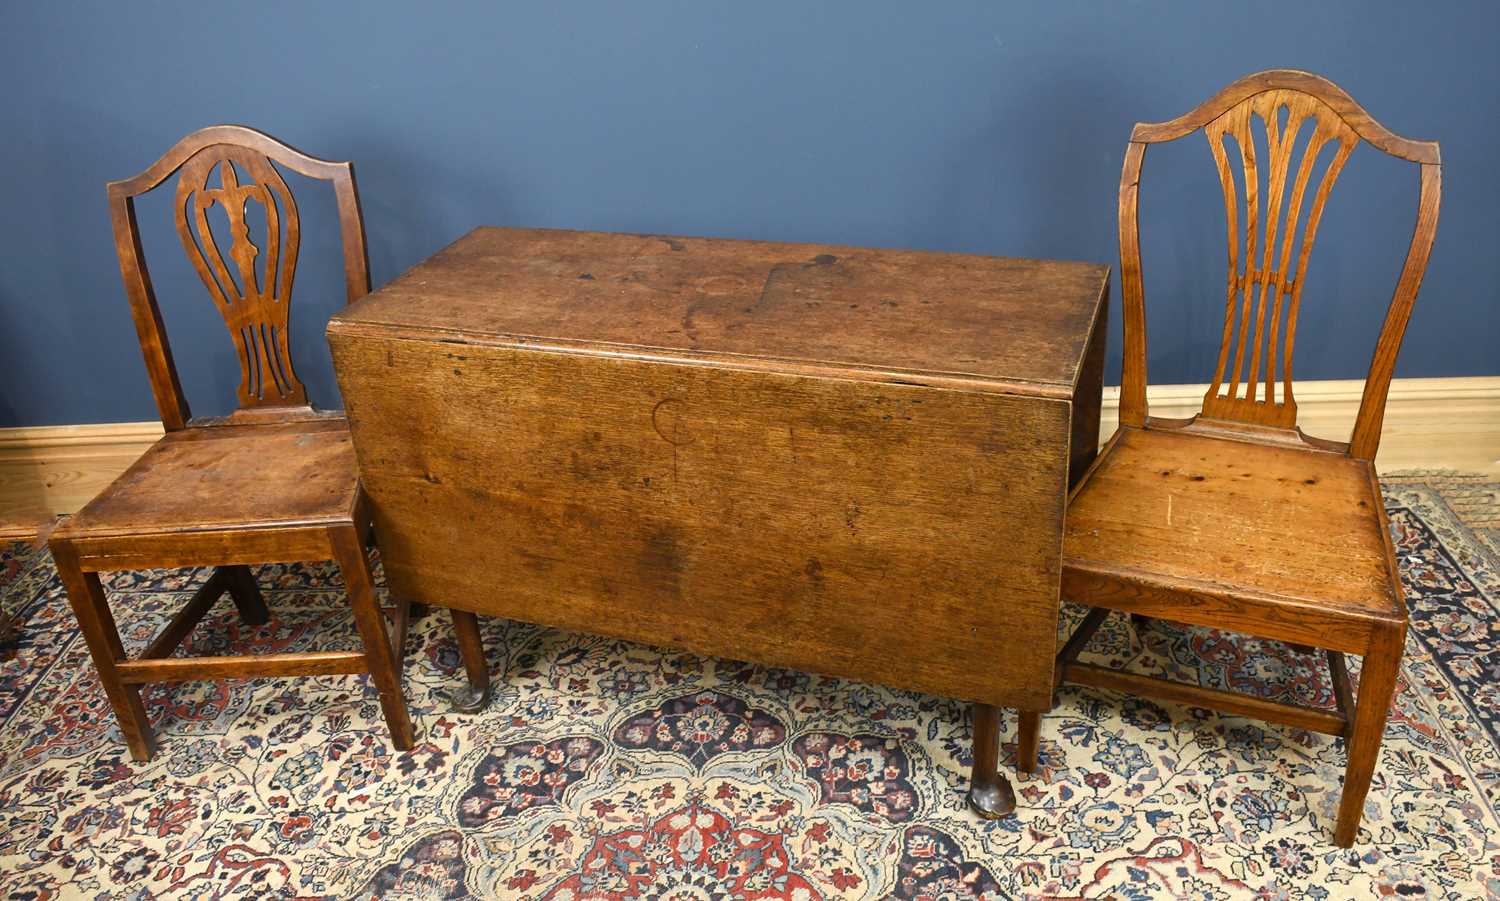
1446	423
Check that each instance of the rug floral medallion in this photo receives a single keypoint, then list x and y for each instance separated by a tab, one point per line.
608	770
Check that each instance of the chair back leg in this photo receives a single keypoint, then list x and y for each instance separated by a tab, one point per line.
246	595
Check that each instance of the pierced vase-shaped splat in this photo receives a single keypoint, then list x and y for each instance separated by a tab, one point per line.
1267	259
252	283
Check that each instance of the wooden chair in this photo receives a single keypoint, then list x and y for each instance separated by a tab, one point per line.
1235	519
274	482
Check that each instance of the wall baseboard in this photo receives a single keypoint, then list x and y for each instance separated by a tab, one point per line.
1449	423
48	470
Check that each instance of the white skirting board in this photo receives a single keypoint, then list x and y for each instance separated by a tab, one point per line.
1446	423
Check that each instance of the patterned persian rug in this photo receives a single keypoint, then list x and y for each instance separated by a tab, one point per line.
608	770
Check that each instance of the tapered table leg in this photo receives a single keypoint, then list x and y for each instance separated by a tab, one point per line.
990	793
475	693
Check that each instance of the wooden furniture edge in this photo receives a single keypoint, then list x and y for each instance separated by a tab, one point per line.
823	369
1430	422
354	320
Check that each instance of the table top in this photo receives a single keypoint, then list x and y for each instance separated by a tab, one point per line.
992	324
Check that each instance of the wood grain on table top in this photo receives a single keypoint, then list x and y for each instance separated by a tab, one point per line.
984	323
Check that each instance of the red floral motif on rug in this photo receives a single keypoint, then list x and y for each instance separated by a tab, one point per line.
693	853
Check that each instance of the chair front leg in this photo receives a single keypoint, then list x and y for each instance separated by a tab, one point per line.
1377	688
355	566
91	607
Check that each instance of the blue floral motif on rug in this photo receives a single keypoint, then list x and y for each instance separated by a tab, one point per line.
609	770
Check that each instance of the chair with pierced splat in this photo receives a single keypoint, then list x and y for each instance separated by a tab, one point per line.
273	482
1234	518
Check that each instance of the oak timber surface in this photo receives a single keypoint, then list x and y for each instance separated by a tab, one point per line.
832	459
1011	322
1173	509
229	476
894	533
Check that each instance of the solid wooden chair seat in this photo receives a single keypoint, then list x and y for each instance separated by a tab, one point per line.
230	477
1171	512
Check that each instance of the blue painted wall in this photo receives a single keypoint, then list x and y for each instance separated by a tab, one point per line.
984	127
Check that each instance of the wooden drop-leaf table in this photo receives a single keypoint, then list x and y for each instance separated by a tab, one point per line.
841	460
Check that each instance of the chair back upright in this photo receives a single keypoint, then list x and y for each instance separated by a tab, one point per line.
250	280
1304	119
